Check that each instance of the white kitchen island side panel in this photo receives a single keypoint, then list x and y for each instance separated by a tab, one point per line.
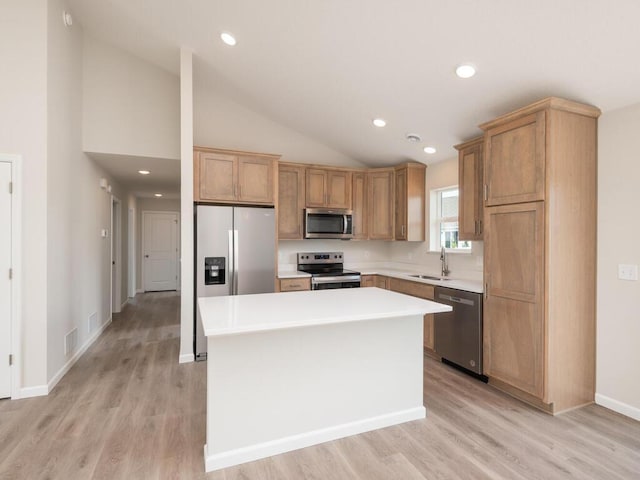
275	391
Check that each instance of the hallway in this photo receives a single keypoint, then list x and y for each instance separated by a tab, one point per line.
128	410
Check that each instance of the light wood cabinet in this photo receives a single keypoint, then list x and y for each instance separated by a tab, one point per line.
360	205
226	176
540	253
295	284
470	184
410	202
291	197
379	281
381	203
515	160
330	188
421	290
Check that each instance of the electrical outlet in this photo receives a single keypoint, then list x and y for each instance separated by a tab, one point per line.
627	272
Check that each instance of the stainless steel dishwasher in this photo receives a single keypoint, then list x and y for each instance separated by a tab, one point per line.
458	334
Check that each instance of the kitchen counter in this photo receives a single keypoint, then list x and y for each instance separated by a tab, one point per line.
290	370
459	284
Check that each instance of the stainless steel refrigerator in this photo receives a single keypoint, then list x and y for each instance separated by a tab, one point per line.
235	255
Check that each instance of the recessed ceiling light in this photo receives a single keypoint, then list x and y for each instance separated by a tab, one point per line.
429	150
158	194
144	172
228	39
378	122
466	70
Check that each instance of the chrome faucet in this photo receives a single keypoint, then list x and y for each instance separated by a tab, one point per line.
445	268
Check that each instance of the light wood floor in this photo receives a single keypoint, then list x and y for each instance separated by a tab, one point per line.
128	410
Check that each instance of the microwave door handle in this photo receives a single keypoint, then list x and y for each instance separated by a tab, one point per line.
344	224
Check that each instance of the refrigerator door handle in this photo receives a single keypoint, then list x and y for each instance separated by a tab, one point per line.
236	268
231	266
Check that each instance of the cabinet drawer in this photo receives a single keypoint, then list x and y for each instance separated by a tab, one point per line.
414	289
295	284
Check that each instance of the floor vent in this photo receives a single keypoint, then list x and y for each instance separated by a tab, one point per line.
71	342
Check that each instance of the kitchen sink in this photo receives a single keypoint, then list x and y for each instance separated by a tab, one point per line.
429	277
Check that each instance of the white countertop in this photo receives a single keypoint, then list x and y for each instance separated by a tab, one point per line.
232	315
459	284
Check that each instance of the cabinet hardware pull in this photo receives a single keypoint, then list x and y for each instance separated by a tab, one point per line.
402	230
479	227
486	290
485	191
475	227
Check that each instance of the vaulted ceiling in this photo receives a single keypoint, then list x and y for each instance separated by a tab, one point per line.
326	68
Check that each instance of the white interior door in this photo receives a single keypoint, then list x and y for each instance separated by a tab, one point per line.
160	251
5	281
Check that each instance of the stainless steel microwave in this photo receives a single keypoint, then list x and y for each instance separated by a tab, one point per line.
328	223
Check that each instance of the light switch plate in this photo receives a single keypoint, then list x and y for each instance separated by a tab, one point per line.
627	272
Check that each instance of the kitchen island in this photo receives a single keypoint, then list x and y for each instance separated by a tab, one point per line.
290	370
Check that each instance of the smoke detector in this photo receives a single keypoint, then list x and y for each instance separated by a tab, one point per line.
413	137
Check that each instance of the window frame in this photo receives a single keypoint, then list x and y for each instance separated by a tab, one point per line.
436	221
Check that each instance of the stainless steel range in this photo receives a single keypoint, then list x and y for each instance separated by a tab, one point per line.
327	270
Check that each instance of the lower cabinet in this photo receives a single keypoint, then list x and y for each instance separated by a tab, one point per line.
421	290
294	284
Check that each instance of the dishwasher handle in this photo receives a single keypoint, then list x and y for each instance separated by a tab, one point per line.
453	299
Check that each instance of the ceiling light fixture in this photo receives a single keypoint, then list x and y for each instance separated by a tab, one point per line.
157	194
379	122
430	150
228	39
144	172
413	137
465	70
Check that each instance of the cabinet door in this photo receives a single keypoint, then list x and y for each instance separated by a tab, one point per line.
294	284
291	180
515	161
380	204
255	180
514	296
217	174
316	191
359	206
470	185
428	332
367	281
381	282
338	189
401	227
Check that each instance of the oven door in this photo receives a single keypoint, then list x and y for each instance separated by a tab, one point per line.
338	281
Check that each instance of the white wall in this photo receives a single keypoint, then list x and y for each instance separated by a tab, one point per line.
462	265
220	122
78	269
618	340
131	107
149	205
23	131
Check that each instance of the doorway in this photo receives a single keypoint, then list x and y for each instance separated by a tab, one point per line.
9	275
160	251
116	255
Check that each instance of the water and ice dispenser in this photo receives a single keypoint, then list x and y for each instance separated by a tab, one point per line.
214	270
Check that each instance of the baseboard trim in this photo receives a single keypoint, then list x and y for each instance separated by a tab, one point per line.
294	442
67	366
139	291
124	304
186	358
617	406
28	392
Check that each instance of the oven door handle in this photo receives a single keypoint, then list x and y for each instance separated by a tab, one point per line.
336	279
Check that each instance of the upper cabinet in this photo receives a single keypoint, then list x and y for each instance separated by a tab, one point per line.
360	206
380	197
515	161
470	175
291	186
326	187
410	201
226	176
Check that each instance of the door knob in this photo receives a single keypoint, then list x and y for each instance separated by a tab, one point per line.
146	256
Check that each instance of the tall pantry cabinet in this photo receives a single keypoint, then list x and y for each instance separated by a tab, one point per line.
540	253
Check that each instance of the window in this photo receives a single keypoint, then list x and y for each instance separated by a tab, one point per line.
444	220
